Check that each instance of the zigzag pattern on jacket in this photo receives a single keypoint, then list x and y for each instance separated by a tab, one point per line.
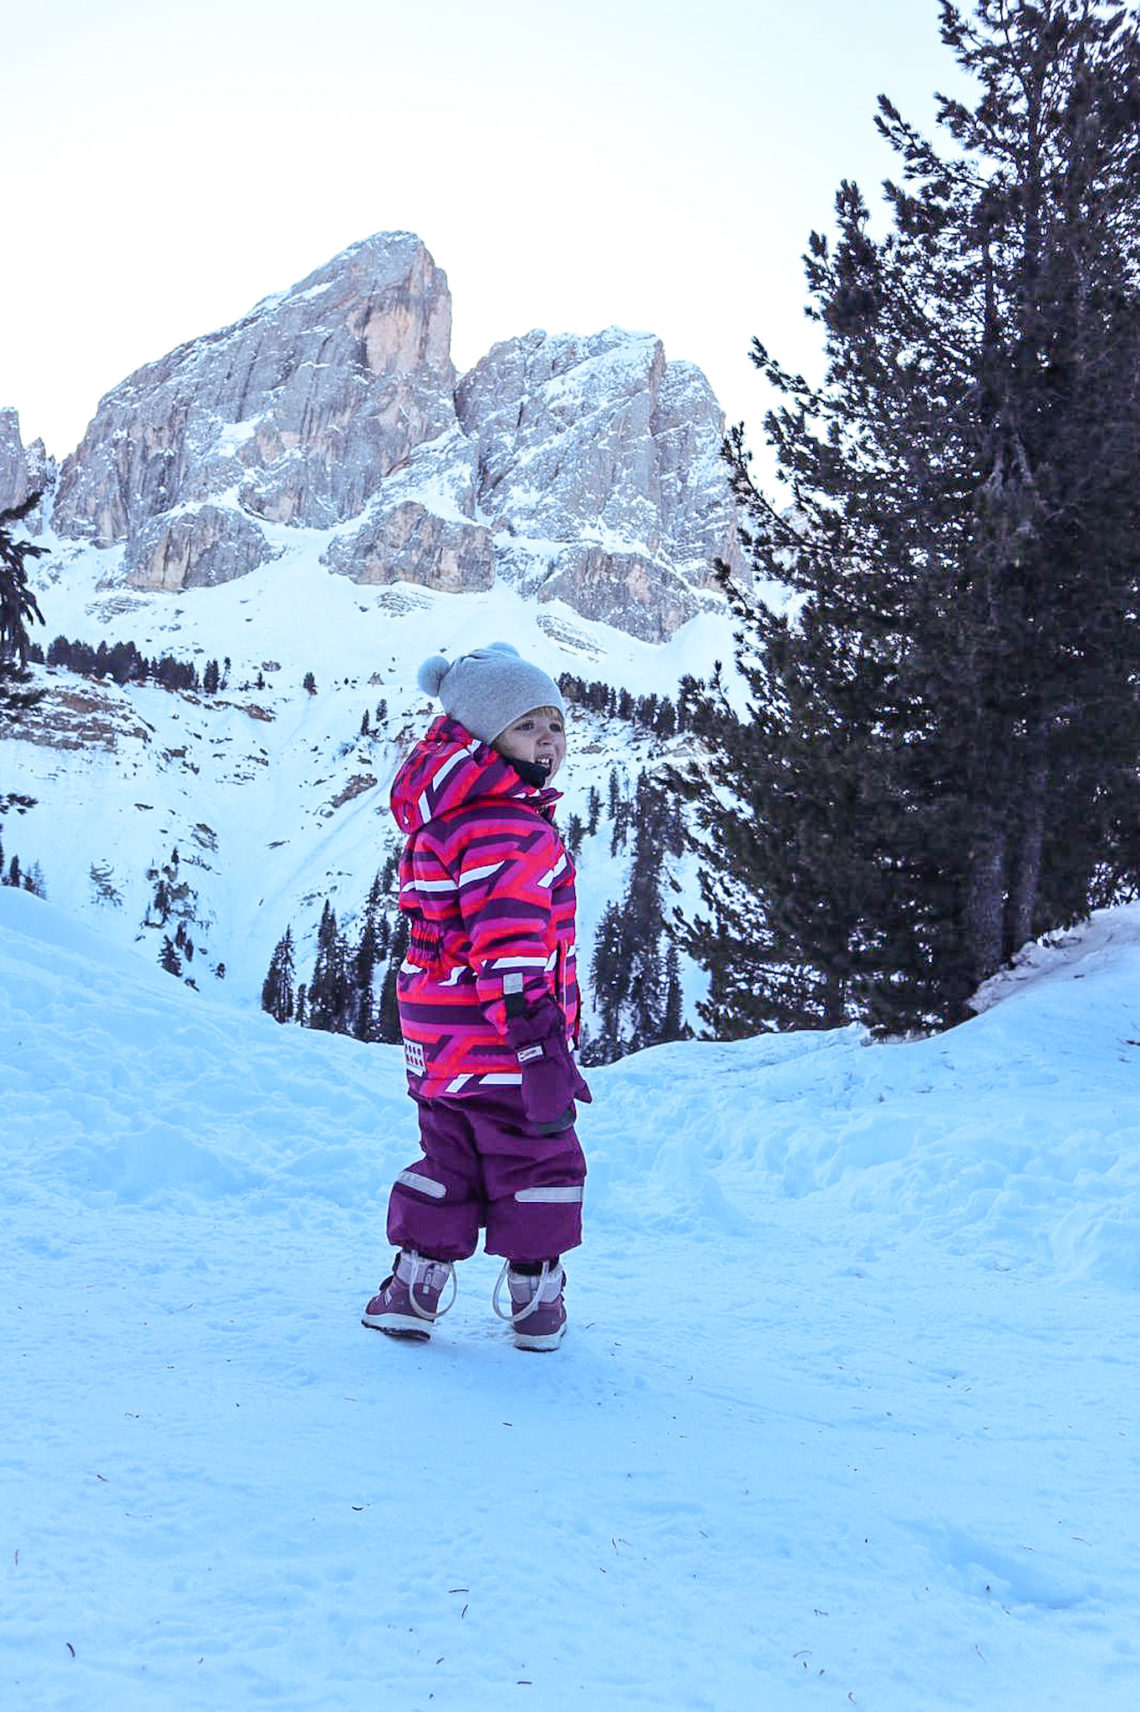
489	890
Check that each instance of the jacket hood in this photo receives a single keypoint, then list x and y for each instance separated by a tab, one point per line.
449	769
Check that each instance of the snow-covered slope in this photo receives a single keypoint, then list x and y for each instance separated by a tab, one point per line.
270	795
846	1414
313	496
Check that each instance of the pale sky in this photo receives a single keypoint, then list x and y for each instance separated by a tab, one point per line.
654	164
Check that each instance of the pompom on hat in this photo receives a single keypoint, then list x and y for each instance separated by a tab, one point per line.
488	689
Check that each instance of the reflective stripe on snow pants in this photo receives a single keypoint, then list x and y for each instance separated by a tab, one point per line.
482	1165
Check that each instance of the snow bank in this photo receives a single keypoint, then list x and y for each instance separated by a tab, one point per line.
1014	1135
832	1425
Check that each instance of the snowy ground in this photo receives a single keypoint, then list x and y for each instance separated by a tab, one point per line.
272	796
847	1414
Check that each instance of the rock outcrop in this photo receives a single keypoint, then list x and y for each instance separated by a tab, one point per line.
294	415
598	471
196	546
582	470
421	527
81	717
24	470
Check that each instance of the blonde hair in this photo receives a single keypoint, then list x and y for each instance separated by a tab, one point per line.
554	712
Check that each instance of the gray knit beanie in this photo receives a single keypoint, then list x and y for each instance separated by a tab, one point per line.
488	689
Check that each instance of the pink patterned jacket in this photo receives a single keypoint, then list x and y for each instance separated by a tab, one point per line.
489	890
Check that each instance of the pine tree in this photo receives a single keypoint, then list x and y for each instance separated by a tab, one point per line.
636	1002
277	989
673	1022
388	1022
665	721
643	919
621	811
365	961
940	762
18	608
573	836
329	989
609	978
159	912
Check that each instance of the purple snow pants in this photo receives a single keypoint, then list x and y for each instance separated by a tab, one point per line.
482	1165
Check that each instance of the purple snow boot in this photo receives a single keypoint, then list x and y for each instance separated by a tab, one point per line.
407	1303
538	1313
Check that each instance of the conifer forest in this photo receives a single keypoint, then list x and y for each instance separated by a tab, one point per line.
939	761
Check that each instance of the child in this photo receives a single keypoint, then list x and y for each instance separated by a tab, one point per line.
488	1001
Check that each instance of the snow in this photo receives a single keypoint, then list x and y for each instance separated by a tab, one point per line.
230	438
262	765
846	1414
609	363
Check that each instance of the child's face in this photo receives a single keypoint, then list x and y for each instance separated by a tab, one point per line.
539	736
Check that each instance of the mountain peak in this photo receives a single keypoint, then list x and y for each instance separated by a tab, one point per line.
583	468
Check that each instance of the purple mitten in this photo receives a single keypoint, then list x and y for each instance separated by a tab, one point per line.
550	1079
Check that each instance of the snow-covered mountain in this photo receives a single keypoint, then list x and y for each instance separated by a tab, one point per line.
582	470
315	501
23	469
845	1417
272	794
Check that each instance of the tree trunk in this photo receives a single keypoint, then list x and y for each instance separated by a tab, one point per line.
1025	875
984	909
833	995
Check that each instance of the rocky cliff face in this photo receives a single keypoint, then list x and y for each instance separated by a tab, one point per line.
584	470
296	414
598	471
24	469
422	526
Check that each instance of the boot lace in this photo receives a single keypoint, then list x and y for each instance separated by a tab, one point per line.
517	1315
419	1267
